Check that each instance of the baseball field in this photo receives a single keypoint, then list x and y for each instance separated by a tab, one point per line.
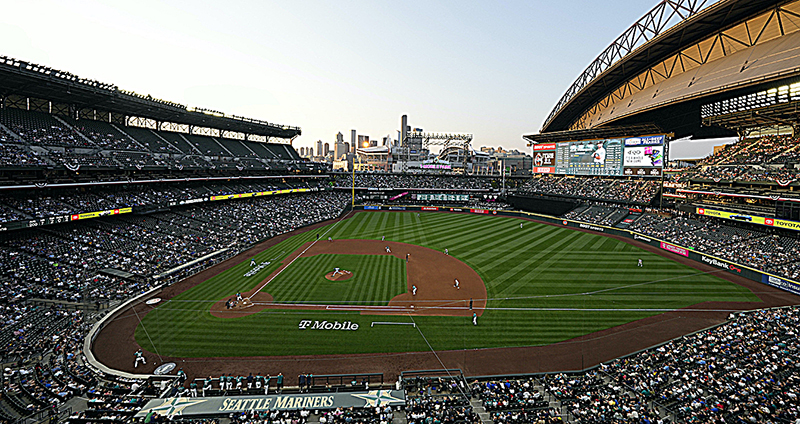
532	285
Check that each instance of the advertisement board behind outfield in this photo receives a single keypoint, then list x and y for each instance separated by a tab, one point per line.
780	283
674	249
591	227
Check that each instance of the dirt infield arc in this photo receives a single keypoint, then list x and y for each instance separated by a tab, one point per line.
431	271
114	345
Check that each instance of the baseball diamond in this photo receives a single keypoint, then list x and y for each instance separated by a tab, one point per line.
544	285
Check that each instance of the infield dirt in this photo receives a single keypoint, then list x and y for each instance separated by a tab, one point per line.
115	344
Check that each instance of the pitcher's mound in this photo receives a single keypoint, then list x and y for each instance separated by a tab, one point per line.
339	276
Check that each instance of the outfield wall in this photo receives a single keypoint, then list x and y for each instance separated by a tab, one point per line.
687	252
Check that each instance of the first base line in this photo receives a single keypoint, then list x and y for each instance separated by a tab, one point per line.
413	324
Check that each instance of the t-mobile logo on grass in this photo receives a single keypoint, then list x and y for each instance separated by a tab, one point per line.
325	325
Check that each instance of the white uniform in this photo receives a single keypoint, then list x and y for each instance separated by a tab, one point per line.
139	358
457	284
640	262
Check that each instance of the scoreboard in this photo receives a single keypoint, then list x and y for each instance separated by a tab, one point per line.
640	156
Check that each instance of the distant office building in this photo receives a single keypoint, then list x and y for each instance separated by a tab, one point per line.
319	147
353	141
327	149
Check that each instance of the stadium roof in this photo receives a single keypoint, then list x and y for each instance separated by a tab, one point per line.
602	78
594	133
30	80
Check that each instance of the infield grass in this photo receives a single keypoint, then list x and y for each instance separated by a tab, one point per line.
545	284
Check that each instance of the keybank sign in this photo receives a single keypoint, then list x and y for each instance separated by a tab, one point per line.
307	324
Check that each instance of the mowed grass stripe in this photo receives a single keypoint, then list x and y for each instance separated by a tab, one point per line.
305	281
531	265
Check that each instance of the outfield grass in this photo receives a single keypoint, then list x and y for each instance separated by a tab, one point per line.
530	273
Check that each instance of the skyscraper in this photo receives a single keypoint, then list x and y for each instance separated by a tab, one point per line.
319	147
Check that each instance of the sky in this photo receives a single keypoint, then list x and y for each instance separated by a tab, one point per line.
492	69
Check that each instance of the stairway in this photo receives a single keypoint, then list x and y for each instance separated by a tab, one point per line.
477	406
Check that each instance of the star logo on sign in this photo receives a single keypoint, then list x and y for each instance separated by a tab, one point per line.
378	398
173	406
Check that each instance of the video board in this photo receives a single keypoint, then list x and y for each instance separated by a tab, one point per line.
644	156
440	197
640	156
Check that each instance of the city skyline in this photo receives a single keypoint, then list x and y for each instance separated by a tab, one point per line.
458	67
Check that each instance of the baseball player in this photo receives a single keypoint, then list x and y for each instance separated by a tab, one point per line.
408	255
207	385
383	238
413	290
640	262
520	225
139	357
193	389
474	318
457	285
252	262
446	252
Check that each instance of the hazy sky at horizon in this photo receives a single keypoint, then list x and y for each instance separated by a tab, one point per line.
493	69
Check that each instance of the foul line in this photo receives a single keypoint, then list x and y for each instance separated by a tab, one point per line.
148	335
437	357
301	254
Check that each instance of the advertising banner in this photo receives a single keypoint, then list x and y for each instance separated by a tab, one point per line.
642	172
225	405
644	156
544	158
753	219
674	249
98	214
780	283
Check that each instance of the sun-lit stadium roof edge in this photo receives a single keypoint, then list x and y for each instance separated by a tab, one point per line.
26	79
721	15
599	133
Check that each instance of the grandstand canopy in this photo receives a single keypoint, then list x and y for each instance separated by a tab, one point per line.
594	133
29	80
603	78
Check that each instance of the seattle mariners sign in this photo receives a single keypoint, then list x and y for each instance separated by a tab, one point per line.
223	405
325	325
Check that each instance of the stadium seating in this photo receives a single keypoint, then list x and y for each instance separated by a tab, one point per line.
39	140
593	188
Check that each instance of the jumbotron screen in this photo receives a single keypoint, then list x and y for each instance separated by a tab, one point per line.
639	156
